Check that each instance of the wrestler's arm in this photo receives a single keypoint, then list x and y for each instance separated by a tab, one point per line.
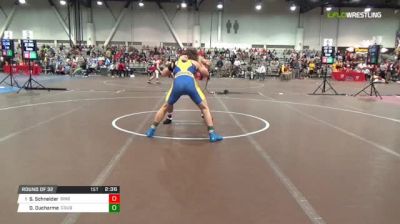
167	71
204	61
201	68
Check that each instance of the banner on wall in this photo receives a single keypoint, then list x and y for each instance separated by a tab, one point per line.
361	50
354	15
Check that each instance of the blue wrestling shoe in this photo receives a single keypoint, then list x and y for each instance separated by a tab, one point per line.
214	137
150	132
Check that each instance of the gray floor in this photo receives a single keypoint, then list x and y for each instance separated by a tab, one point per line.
323	159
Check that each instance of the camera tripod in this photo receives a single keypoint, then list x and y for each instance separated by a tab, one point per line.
371	85
324	84
32	84
10	76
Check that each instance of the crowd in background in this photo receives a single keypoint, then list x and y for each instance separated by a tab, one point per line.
306	63
249	63
85	60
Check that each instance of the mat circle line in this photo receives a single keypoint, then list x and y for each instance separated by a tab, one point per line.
109	83
228	98
266	126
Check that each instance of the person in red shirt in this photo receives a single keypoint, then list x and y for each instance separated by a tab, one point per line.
202	53
121	69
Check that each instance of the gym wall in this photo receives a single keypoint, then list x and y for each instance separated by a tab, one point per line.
351	31
273	25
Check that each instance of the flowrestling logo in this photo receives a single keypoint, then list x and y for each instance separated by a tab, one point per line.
354	15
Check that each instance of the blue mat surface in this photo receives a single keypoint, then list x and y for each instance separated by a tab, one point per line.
8	89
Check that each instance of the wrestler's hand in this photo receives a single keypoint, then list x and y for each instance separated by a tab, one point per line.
205	62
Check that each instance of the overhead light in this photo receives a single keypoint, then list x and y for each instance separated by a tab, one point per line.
63	2
293	8
99	2
22	1
220	5
183	5
368	9
328	9
258	6
141	4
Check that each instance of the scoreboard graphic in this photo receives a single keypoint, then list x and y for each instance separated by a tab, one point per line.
68	199
328	55
7	48
373	54
29	49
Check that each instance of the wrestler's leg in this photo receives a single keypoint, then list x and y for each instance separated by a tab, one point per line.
168	120
199	99
157	119
157	73
205	110
161	113
170	109
152	75
172	96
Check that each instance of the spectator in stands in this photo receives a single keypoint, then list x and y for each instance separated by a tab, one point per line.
285	72
220	63
383	70
67	67
311	68
397	68
275	66
113	68
236	68
131	67
60	69
262	71
65	59
122	69
219	66
91	65
77	69
296	65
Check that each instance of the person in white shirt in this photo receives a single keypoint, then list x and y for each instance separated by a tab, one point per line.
361	67
262	72
383	68
236	67
237	63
